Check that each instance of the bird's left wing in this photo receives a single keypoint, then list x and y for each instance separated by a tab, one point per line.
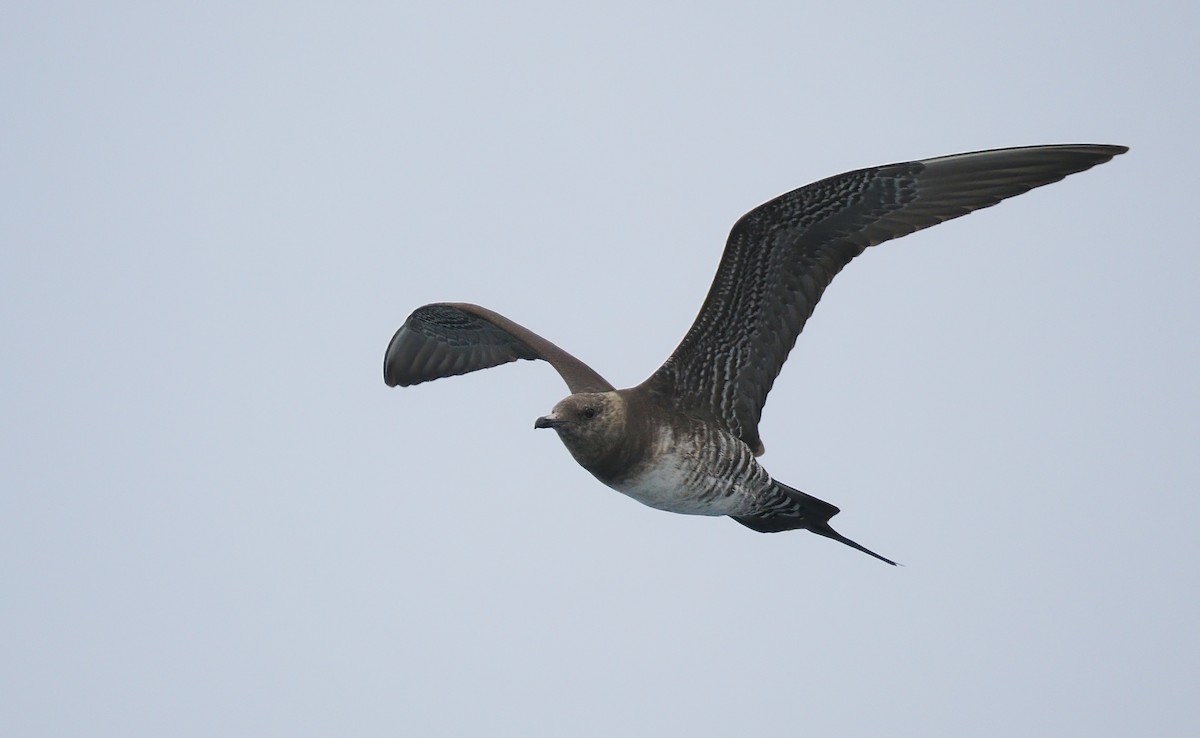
445	339
782	255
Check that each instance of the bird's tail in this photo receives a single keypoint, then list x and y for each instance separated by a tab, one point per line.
801	510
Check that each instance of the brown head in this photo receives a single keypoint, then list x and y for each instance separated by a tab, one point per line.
592	425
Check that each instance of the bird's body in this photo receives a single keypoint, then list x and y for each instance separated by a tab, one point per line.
686	439
639	444
670	462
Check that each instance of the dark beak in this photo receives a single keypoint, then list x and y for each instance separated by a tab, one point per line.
547	422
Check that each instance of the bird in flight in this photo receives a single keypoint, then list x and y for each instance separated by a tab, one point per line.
686	439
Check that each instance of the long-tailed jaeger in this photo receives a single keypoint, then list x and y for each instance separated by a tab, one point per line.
685	440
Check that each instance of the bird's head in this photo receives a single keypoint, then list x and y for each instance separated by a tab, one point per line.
590	424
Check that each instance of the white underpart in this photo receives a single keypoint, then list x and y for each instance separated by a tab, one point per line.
681	483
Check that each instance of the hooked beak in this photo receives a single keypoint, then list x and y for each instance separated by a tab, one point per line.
548	421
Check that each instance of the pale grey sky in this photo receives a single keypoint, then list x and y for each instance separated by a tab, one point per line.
216	520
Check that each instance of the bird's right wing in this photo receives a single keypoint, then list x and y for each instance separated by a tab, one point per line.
444	339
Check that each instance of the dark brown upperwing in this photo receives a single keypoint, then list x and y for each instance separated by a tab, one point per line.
782	255
444	339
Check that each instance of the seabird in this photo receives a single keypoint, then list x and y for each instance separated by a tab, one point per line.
686	439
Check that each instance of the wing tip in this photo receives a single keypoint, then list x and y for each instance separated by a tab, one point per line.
1093	153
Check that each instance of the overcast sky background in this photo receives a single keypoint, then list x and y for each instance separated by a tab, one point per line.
216	520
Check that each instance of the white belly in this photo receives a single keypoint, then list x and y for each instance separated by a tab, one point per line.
676	486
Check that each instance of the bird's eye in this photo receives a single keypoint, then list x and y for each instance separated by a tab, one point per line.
589	412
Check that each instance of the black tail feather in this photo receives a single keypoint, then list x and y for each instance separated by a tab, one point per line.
803	511
823	529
